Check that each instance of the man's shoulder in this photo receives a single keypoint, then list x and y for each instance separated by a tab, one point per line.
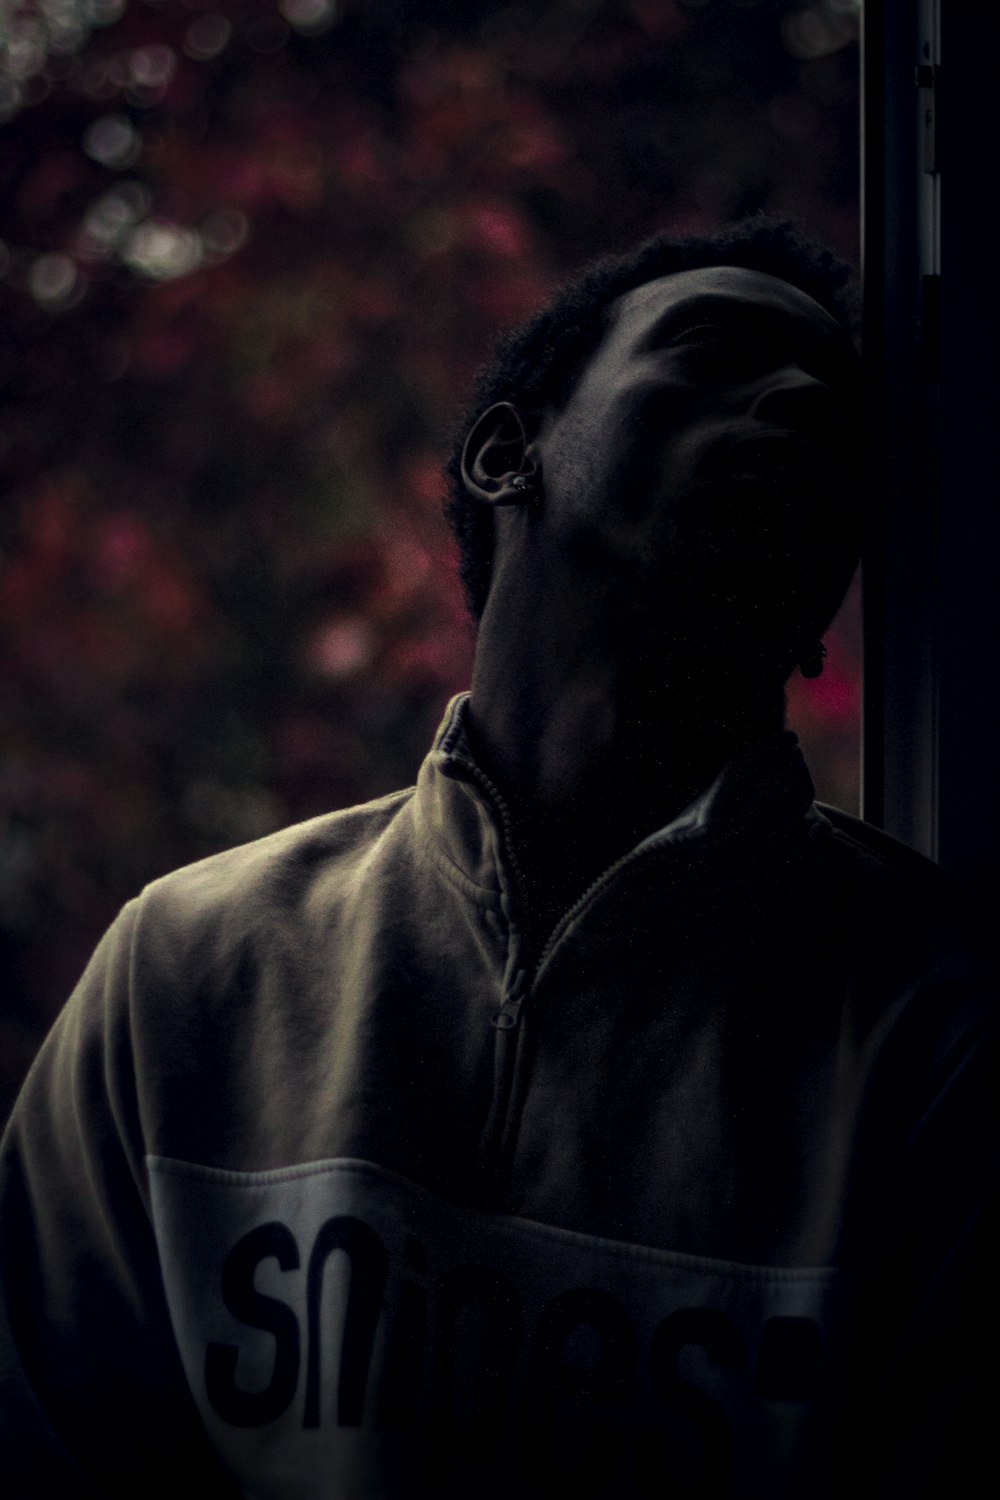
880	851
894	889
256	882
905	909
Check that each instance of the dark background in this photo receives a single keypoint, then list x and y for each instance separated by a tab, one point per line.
250	256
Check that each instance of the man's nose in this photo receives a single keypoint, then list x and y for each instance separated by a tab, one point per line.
792	398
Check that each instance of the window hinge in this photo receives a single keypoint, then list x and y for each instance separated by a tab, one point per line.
927	80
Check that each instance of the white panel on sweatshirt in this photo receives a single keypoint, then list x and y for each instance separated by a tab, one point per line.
349	1335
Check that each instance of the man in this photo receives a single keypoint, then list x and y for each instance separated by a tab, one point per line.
597	1117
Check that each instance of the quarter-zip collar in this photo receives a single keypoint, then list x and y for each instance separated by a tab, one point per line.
763	793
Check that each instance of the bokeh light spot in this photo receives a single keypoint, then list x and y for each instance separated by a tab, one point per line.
109	220
224	231
104	12
808	34
341	648
112	141
152	67
26	47
52	279
66	28
207	37
309	16
162	251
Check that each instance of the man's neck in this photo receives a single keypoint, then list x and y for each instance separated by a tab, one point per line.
590	753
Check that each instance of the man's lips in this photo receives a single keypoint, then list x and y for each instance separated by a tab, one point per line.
773	454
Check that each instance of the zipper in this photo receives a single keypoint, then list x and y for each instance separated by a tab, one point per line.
509	1013
520	982
515	991
525	969
507	1032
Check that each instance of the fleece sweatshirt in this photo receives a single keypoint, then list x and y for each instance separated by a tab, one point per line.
325	1184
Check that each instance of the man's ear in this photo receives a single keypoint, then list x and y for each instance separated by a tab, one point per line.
499	464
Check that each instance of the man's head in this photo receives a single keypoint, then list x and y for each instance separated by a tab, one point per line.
687	416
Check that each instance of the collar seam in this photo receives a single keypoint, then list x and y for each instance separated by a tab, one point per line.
480	895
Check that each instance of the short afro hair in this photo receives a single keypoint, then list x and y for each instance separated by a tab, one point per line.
536	366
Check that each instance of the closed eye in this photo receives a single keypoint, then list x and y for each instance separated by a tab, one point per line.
699	333
710	350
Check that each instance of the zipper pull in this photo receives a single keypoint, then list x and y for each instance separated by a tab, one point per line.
509	1013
